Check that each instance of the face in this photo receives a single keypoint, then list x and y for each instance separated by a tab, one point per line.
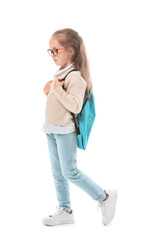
64	56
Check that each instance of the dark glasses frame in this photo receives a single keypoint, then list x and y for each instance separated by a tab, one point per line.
54	51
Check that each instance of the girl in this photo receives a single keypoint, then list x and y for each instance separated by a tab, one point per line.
68	51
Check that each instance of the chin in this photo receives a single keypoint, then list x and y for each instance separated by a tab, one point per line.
57	63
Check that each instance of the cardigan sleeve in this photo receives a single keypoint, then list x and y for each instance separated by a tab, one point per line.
73	97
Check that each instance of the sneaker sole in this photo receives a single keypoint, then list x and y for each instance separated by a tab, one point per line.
59	223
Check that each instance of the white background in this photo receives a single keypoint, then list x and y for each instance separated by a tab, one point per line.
111	32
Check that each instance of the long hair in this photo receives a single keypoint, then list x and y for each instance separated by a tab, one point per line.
68	37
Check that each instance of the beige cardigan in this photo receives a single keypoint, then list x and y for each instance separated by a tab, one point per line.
60	102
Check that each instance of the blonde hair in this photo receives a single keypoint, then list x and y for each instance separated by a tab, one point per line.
68	37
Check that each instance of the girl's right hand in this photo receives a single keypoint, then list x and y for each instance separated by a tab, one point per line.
46	88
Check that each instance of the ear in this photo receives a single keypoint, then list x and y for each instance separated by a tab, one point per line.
71	51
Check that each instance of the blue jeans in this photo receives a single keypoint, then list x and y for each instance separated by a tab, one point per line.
63	157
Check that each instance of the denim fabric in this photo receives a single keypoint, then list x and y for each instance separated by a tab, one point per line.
63	157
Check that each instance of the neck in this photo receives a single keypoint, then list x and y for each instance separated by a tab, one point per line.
60	71
64	66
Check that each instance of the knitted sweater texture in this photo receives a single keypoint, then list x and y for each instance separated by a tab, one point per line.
60	102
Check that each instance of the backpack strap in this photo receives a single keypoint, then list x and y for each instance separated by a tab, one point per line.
75	119
62	79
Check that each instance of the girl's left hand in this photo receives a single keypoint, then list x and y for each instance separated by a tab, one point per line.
57	83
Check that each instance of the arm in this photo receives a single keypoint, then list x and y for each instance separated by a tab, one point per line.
72	98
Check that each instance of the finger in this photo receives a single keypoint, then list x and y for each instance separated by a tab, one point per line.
62	82
59	80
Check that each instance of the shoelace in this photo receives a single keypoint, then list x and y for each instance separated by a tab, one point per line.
58	212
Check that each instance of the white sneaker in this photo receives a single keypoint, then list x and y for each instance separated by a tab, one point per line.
108	207
59	217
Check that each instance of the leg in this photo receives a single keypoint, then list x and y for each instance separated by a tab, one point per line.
67	150
61	183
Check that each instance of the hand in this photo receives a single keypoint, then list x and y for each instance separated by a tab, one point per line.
57	83
47	87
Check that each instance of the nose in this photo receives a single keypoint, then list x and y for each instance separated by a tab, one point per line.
52	54
53	58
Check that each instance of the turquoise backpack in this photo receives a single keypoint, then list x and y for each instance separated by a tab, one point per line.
85	119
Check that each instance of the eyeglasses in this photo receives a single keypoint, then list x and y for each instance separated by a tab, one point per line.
54	51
